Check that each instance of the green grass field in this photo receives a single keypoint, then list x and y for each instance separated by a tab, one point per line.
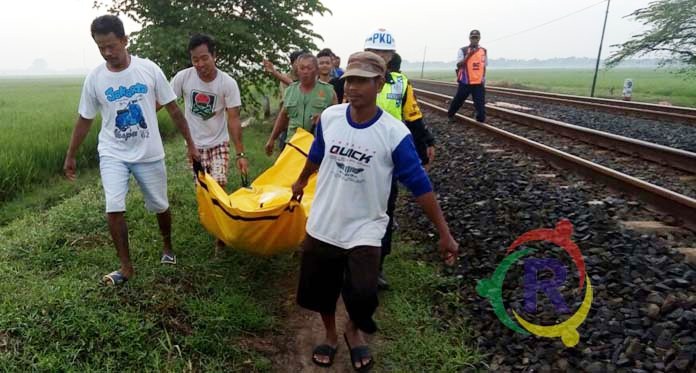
37	116
198	316
649	85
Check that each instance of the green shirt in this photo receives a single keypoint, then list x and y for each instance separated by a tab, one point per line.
302	107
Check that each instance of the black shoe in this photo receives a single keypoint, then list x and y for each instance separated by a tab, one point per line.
382	283
451	120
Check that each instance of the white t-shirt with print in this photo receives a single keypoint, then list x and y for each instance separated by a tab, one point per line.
357	163
205	104
127	102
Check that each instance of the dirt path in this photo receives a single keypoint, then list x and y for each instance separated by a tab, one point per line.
303	332
291	349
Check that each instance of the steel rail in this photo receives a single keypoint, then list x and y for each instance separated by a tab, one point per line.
644	110
664	155
675	204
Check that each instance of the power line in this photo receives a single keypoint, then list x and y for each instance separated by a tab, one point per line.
547	23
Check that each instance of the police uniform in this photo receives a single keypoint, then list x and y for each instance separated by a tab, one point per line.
397	98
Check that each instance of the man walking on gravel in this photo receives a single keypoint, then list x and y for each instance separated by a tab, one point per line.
212	102
358	150
471	77
126	90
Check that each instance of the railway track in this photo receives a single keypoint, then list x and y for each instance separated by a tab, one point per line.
678	205
492	192
676	114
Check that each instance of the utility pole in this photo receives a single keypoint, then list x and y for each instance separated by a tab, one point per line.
599	55
423	64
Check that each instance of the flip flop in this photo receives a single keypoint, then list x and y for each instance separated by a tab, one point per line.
115	278
324	350
168	259
357	354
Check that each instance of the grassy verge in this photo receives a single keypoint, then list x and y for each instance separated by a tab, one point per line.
413	337
55	316
43	196
650	85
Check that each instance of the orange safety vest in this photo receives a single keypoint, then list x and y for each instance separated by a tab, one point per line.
473	69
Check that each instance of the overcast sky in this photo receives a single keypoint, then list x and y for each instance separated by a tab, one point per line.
58	30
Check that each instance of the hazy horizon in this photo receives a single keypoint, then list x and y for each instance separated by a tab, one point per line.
54	35
511	64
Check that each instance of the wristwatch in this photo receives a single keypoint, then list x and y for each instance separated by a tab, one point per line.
241	155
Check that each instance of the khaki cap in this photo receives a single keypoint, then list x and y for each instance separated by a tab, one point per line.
365	64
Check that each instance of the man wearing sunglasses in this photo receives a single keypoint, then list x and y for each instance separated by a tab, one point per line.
471	76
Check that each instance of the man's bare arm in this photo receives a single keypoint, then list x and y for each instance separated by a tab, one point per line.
180	123
82	126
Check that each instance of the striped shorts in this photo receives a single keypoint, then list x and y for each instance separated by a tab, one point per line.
216	161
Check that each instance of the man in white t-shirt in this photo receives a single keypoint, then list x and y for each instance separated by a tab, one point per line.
357	150
126	90
212	102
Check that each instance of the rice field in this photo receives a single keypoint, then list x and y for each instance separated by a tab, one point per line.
37	116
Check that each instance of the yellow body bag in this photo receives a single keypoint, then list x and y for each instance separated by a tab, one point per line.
262	219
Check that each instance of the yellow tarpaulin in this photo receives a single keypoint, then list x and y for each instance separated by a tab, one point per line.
262	219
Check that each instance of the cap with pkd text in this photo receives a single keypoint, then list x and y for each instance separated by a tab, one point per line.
365	65
380	39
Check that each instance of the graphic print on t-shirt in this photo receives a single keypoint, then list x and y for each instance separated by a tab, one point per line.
132	115
203	104
351	160
130	121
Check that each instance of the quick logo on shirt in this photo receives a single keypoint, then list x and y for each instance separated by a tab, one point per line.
121	92
203	104
351	161
350	169
350	153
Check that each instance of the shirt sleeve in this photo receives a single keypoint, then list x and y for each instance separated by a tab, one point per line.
316	152
177	85
460	54
233	97
163	91
408	169
410	110
286	95
89	104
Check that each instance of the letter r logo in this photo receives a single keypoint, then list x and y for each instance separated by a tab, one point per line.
550	287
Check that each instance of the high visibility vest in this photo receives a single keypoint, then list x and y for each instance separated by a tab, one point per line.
473	70
391	98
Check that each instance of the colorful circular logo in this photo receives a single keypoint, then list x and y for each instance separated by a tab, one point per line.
492	288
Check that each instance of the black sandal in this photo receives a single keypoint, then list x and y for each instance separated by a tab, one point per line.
357	354
324	350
